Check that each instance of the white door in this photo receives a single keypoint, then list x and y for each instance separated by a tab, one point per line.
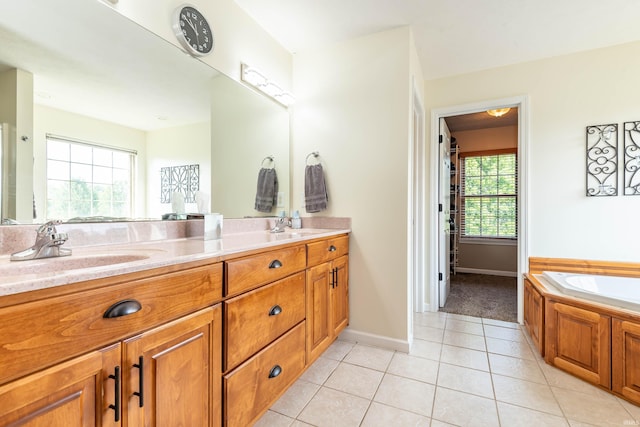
444	199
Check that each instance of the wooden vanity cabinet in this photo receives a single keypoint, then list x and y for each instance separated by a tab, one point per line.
534	315
625	359
327	293
578	341
76	367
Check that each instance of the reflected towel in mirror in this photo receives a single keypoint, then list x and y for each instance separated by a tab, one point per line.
315	190
267	192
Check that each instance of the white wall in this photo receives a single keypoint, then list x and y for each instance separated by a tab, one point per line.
62	123
566	94
237	36
178	146
353	106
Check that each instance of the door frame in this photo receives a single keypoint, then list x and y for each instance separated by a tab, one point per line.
522	103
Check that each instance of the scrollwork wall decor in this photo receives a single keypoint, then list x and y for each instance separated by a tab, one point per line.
182	179
602	160
631	158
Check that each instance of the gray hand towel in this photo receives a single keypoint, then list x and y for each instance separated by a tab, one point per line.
267	192
315	190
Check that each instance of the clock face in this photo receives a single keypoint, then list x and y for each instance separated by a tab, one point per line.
193	31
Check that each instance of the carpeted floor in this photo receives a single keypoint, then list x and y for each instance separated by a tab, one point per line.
479	295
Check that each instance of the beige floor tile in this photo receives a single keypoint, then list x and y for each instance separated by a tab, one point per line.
338	350
413	367
466	380
509	348
526	394
557	378
404	393
633	410
333	408
319	371
380	415
603	410
274	419
369	357
295	398
502	323
465	327
426	349
517	416
459	339
503	333
466	357
298	423
523	369
433	320
464	317
463	409
354	379
428	333
574	423
437	423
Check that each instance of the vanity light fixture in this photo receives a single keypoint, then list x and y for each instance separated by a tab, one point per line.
255	78
498	112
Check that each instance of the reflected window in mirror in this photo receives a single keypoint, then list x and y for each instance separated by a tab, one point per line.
88	180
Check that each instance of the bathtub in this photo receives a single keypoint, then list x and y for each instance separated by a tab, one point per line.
613	290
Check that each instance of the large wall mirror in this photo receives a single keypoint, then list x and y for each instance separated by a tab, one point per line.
80	71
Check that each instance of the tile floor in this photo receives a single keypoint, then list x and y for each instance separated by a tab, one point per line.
462	371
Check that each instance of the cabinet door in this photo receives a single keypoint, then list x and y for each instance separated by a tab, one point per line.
578	341
339	295
534	315
625	361
173	373
65	395
318	318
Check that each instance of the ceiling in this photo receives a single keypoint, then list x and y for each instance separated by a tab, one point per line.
481	120
456	37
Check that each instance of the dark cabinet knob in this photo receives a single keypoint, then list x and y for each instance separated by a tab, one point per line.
275	371
275	310
275	264
122	308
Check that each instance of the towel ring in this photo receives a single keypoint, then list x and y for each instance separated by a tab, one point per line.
269	158
315	154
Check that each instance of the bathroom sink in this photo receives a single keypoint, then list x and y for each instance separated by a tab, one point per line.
293	234
53	265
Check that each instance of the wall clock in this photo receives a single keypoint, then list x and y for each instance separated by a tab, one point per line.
193	31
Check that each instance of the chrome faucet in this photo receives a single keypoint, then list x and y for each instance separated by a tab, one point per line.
48	242
280	224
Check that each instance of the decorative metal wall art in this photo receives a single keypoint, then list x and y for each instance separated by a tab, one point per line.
182	179
632	158
602	160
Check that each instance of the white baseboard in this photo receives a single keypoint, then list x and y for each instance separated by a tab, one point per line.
375	340
489	272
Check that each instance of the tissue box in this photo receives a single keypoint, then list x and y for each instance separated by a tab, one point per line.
212	226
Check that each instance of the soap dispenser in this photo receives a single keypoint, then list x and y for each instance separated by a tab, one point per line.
296	221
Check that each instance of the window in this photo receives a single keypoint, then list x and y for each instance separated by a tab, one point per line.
489	195
85	179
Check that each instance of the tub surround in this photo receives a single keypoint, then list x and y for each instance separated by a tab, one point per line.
595	341
155	244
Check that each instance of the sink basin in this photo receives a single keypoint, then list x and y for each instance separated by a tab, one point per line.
53	265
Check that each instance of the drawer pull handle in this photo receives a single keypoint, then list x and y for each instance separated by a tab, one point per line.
122	308
275	371
140	393
275	264
332	248
116	388
275	310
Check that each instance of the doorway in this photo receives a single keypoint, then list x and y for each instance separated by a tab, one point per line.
436	230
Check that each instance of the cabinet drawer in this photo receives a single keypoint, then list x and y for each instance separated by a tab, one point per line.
255	385
38	334
258	317
250	272
326	250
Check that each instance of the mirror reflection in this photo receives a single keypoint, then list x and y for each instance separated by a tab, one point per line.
85	97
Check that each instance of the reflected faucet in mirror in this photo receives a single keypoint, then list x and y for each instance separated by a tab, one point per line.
48	244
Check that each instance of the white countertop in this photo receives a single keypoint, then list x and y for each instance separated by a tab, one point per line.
95	262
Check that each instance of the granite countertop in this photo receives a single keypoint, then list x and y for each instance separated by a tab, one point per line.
99	261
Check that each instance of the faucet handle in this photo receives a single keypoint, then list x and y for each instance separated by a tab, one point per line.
48	227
